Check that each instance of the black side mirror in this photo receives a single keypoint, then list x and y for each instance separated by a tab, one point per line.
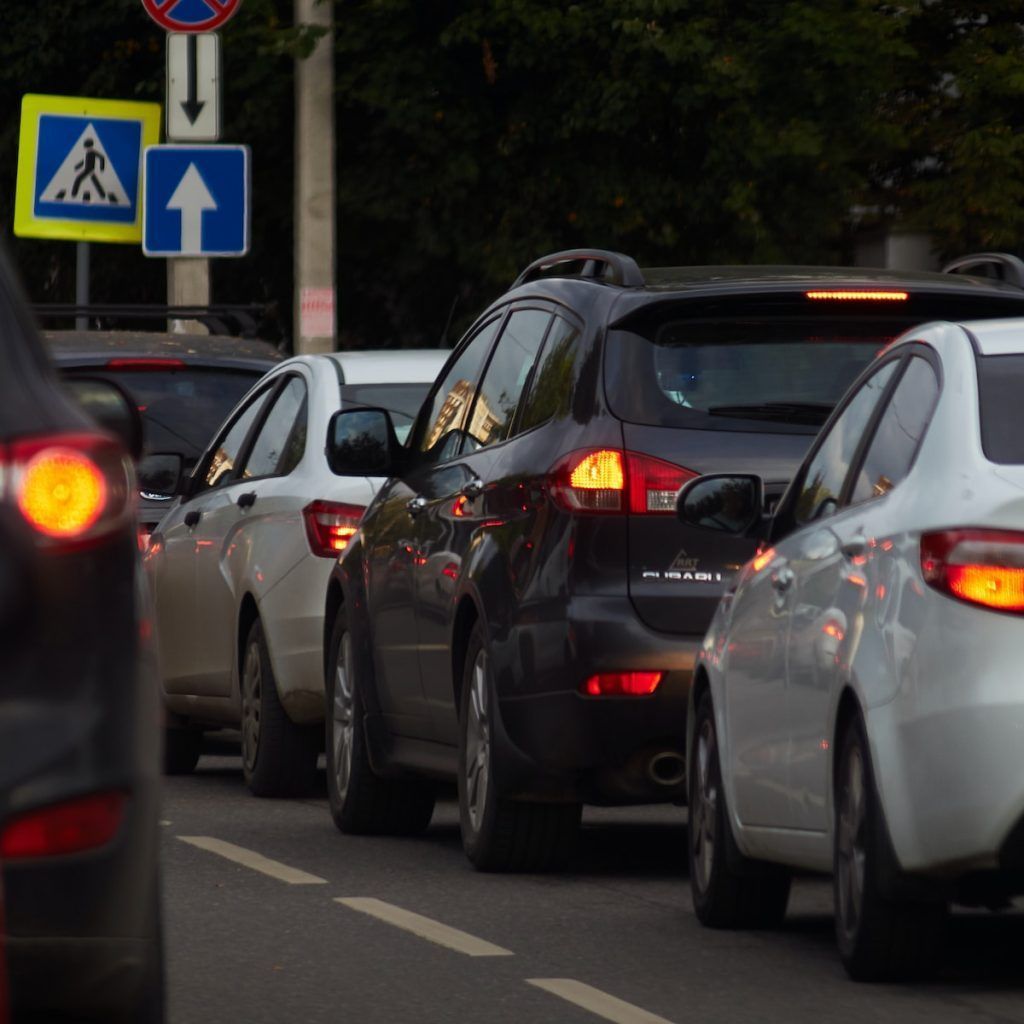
362	442
111	407
160	476
718	501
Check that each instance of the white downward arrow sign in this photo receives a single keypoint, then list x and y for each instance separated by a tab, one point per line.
192	198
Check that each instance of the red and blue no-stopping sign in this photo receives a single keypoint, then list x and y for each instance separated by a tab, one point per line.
191	15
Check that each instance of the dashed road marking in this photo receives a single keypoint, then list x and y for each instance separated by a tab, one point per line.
424	927
253	860
595	1001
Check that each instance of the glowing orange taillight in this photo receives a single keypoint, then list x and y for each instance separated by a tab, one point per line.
983	567
62	493
330	526
610	480
600	470
857	295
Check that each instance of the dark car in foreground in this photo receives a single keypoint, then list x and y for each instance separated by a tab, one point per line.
79	713
183	384
520	609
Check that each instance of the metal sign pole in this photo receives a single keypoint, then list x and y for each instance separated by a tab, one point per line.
82	283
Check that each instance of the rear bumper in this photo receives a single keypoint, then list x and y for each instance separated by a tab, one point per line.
554	741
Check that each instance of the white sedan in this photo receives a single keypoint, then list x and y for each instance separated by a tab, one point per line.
858	706
239	564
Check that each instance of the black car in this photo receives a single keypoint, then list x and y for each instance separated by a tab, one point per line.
79	709
520	609
184	385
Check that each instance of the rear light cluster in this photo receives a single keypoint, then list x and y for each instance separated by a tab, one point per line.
606	480
983	567
69	488
622	684
83	823
330	525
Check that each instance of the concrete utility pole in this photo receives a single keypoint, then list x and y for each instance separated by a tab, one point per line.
315	320
188	284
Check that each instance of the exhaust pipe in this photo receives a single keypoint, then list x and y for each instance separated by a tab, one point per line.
667	768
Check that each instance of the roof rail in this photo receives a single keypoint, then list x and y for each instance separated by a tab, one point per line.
596	265
1001	266
241	320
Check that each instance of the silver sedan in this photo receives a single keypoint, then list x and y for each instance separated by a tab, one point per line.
858	705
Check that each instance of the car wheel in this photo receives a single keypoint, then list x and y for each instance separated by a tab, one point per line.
500	834
182	748
361	802
879	939
278	756
729	890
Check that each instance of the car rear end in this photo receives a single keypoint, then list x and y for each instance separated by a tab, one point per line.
79	720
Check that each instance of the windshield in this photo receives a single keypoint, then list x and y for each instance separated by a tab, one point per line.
403	401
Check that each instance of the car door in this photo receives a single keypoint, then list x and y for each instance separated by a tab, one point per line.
460	500
251	530
758	709
842	572
390	540
174	556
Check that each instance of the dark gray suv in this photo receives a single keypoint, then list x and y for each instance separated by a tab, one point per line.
520	609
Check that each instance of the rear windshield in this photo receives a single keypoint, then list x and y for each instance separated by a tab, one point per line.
403	401
1000	386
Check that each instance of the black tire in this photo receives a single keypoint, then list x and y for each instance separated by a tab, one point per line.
729	890
880	939
500	834
182	748
361	802
278	757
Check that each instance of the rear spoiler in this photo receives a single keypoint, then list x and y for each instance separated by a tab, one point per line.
998	266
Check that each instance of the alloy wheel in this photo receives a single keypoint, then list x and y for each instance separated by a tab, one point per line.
850	844
478	744
252	692
342	717
704	812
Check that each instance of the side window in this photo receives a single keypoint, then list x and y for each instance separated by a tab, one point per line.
505	377
282	438
823	480
441	438
221	463
551	388
899	432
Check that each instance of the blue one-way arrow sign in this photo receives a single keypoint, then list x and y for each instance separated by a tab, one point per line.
196	201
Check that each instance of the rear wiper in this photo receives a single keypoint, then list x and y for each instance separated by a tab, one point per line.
814	413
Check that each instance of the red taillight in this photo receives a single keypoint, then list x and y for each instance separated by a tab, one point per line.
143	364
984	567
330	525
622	684
70	827
608	480
69	487
857	295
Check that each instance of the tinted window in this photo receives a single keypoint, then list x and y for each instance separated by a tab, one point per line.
441	437
823	481
222	461
505	377
281	442
551	385
1000	386
899	432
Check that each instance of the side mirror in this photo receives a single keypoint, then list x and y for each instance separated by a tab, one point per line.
111	407
160	476
728	504
362	442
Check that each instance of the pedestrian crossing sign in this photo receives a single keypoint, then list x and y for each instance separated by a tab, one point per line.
80	168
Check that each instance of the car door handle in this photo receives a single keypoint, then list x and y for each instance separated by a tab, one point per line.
854	548
193	517
473	489
782	579
246	500
416	505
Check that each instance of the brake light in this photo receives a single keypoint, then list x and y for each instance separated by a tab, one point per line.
145	363
857	295
609	480
69	488
330	525
70	827
984	567
622	684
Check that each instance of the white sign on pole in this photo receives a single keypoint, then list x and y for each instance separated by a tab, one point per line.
193	86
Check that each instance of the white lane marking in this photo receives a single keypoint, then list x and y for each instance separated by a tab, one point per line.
424	927
595	1001
251	859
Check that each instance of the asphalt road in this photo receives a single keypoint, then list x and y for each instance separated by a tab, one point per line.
256	931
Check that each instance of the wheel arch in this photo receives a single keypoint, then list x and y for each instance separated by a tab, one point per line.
335	599
466	617
248	613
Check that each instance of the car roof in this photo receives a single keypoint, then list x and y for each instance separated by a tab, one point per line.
398	366
95	348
